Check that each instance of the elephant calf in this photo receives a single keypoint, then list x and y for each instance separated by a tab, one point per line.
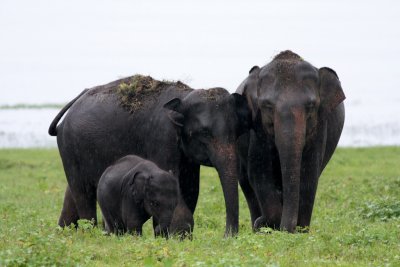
132	190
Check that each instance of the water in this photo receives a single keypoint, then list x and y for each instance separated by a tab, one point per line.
372	123
366	125
25	128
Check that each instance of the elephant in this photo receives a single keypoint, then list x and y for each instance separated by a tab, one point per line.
132	190
297	116
169	123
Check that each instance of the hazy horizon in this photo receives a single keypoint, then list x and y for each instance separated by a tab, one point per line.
52	50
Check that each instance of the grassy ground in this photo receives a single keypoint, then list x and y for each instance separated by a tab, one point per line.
356	221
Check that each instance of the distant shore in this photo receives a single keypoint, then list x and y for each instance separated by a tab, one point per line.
32	106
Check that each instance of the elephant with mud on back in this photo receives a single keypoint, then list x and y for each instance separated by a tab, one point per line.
297	119
169	123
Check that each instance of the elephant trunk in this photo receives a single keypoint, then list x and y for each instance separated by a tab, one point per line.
290	133
224	158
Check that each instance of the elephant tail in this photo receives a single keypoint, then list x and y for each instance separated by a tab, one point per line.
53	125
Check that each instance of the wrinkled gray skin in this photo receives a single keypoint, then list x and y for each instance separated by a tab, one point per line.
178	129
131	191
297	119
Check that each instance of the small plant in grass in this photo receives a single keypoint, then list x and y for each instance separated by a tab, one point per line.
384	209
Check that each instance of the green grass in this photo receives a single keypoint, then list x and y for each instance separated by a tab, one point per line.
355	222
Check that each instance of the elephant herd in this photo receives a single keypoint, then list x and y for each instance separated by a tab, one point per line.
135	146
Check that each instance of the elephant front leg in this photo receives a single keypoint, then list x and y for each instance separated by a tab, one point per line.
69	214
308	189
189	183
263	177
311	170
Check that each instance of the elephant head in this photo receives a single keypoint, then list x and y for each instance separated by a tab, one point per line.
209	122
289	100
159	193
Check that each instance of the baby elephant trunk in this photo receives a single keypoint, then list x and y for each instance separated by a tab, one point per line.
164	222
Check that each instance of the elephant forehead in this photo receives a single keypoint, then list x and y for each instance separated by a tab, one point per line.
207	95
165	189
292	95
288	69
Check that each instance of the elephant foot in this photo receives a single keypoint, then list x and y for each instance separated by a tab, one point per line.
303	229
260	222
231	233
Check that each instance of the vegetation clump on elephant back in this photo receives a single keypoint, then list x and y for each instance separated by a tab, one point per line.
134	91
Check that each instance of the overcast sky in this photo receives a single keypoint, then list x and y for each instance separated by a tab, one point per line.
51	50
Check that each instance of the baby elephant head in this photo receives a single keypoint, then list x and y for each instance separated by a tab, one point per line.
159	193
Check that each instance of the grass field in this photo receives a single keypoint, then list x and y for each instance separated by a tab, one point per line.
356	221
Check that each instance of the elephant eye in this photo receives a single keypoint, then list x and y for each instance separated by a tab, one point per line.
204	132
154	204
268	106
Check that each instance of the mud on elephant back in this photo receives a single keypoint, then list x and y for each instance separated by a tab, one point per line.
297	117
169	123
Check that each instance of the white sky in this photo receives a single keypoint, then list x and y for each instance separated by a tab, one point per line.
50	50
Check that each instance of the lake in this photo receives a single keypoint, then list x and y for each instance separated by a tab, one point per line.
366	125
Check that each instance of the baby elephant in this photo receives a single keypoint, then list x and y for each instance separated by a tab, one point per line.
131	191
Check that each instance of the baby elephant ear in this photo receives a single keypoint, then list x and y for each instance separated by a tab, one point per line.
136	184
331	91
175	114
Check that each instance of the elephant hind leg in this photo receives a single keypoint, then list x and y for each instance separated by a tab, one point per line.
69	214
85	203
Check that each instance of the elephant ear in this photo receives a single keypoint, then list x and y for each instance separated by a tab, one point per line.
254	69
241	88
250	91
243	112
136	184
175	111
331	92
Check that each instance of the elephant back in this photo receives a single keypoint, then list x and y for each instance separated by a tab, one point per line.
136	91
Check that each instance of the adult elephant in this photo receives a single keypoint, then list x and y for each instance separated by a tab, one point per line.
176	127
298	116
